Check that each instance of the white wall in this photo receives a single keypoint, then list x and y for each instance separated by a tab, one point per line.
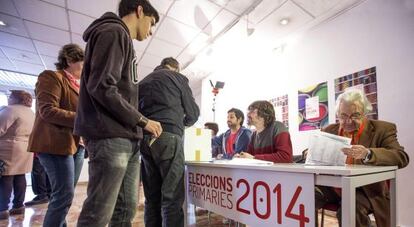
375	33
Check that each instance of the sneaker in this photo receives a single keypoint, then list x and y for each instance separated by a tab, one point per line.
36	201
4	215
17	211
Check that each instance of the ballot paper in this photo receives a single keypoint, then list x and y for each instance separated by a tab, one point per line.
325	149
242	161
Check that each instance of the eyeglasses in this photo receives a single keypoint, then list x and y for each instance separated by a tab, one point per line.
251	110
353	117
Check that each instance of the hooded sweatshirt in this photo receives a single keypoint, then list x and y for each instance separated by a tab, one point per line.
108	100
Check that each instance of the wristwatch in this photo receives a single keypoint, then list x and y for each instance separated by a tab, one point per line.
142	121
368	157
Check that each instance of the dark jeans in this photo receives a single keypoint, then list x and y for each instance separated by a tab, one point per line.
60	170
17	183
40	181
78	158
113	183
163	180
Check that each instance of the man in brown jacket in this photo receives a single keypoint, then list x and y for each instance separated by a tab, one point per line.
374	142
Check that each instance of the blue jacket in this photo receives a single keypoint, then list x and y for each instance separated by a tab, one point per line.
242	141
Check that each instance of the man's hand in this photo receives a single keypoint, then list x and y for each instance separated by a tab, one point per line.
356	151
246	155
154	127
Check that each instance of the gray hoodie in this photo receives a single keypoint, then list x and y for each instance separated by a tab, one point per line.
108	100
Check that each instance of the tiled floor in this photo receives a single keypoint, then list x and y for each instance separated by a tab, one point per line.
34	215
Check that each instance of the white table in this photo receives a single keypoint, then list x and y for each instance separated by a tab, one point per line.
346	177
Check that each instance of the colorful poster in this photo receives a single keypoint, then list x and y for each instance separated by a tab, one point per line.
281	106
313	107
365	80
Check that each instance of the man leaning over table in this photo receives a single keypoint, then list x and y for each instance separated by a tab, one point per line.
374	143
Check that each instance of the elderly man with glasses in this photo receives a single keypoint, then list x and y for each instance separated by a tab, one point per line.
374	143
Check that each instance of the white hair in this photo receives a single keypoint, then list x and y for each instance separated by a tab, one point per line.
354	95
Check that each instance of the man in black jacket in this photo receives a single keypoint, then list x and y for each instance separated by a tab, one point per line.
108	117
165	96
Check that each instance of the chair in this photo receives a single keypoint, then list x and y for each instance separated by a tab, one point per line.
328	206
335	207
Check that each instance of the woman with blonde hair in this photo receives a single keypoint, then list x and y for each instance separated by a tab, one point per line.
16	122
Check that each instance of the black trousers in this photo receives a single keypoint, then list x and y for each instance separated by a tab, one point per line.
163	180
15	183
40	181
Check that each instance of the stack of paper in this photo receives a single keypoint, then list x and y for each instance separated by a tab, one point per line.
326	149
242	161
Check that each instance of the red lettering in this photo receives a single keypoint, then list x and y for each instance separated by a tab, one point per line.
222	183
197	178
208	181
215	182
214	196
301	216
202	180
230	203
222	199
278	191
266	187
240	200
191	177
229	184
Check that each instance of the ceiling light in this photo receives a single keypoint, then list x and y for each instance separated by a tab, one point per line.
249	30
284	21
2	23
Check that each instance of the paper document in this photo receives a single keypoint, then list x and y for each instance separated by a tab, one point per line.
325	149
242	161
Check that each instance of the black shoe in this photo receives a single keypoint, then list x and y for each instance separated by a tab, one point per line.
36	201
4	214
17	211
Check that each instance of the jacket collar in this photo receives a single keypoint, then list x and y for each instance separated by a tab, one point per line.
65	77
366	136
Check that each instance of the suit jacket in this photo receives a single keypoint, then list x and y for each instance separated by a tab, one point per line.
381	138
56	105
16	122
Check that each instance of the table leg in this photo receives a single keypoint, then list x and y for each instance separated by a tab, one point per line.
393	201
348	202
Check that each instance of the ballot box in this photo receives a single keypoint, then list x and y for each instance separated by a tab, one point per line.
197	144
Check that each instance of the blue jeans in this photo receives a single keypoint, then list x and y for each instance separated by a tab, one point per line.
60	170
113	183
78	158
